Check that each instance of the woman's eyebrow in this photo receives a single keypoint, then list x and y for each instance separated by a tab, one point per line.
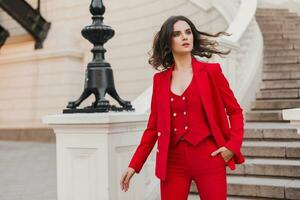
179	31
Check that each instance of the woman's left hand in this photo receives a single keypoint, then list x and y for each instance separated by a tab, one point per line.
225	153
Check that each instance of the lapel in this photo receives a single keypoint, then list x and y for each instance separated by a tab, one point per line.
205	88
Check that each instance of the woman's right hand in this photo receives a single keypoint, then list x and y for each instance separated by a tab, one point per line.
125	179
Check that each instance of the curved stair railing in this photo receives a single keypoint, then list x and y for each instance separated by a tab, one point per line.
244	63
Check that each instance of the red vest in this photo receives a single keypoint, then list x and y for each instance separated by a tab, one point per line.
188	118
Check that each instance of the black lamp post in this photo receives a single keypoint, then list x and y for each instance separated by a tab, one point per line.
99	74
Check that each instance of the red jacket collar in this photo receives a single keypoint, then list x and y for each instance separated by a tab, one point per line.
196	65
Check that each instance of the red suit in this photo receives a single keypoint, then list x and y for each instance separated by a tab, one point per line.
211	92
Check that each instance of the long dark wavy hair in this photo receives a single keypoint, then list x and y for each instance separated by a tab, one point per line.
161	54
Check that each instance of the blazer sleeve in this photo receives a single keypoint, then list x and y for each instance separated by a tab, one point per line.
149	136
233	110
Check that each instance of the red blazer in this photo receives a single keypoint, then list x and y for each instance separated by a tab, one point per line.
218	101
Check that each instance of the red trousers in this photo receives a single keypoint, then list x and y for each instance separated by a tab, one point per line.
186	163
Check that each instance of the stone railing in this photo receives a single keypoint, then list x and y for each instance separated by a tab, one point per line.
244	63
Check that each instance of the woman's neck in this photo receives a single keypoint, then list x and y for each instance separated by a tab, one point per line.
182	62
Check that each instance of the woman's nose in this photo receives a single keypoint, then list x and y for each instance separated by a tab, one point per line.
184	37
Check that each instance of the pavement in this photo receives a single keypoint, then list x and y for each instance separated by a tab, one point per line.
27	171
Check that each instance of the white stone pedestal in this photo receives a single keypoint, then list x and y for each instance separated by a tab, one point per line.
293	115
93	150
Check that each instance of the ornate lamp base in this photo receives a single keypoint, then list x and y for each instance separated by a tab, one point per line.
90	109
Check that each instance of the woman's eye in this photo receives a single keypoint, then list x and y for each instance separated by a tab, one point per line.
177	33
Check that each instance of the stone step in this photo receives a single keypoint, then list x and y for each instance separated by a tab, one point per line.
287	75
281	67
275	167
260	187
282	21
194	196
269	125
280	39
296	46
281	32
280	84
277	21
278	94
283	18
229	197
255	186
278	15
275	104
272	10
295	36
291	35
284	24
280	53
271	149
275	15
271	37
265	116
276	35
266	10
280	27
283	41
279	47
281	60
288	18
272	13
275	132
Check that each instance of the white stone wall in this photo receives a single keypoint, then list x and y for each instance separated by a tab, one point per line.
35	83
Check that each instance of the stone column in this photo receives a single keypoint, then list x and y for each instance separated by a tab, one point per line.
93	150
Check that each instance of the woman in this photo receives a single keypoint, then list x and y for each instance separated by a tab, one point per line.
190	104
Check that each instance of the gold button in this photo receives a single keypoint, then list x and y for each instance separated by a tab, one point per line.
175	129
185	127
158	133
172	99
184	113
183	98
174	114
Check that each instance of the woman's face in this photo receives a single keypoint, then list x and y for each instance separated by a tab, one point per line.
182	38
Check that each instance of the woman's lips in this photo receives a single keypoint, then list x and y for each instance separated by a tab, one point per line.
186	45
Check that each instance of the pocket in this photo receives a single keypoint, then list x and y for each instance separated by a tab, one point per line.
213	147
221	157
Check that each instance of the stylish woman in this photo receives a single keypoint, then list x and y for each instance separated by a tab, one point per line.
191	101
